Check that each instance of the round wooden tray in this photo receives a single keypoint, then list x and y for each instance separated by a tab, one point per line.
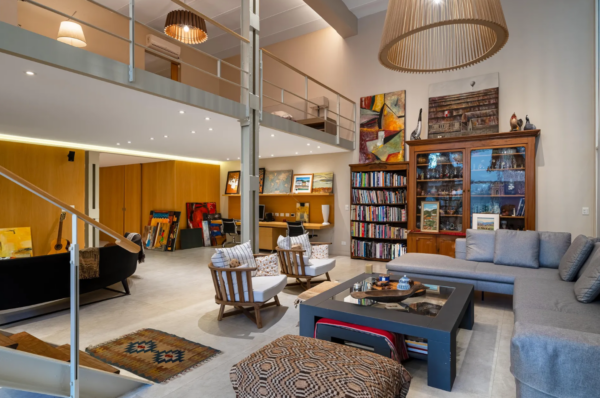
390	294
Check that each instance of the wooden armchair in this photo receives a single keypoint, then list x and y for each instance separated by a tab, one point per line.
293	266
237	288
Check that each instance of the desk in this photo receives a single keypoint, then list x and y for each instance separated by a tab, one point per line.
269	231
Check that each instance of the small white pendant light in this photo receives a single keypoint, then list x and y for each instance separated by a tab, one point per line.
71	33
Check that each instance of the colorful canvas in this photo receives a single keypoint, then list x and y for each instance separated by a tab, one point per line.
323	183
382	127
302	183
196	212
16	243
174	231
430	215
261	178
162	236
149	235
278	181
464	107
302	212
153	355
233	183
165	231
206	233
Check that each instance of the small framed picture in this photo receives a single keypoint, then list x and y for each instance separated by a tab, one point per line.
302	183
261	177
430	216
233	183
489	222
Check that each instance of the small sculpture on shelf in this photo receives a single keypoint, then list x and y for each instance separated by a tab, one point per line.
416	135
514	123
528	125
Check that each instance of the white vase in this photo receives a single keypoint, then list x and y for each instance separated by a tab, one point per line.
325	209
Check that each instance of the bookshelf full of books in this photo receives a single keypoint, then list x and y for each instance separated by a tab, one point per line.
378	218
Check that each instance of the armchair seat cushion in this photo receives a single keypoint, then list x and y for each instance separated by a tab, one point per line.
318	267
267	287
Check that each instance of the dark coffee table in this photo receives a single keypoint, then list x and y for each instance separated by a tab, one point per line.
438	327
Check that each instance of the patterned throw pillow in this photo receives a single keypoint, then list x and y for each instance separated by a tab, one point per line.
267	265
320	252
243	253
303	241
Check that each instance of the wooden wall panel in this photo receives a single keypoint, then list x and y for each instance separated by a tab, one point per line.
132	198
49	169
111	199
158	188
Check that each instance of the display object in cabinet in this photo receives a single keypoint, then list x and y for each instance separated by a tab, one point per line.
378	212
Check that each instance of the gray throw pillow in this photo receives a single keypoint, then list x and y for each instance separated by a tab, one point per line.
480	245
553	246
589	261
574	258
517	248
587	287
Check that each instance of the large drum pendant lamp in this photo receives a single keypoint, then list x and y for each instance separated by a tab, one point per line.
71	33
425	36
186	27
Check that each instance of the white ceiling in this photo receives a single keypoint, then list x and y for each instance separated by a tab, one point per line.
280	20
114	159
63	106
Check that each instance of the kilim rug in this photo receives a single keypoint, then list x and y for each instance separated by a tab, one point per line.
153	355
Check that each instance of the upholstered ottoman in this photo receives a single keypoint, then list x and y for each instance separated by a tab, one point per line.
294	366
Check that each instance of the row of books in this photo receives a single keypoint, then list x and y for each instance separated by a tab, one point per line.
384	251
416	344
378	197
364	230
521	208
377	213
378	179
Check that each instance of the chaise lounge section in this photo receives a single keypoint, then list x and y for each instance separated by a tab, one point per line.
556	340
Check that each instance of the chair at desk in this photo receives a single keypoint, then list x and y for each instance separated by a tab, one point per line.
295	228
230	228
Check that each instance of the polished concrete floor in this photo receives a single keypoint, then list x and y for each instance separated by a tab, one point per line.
173	292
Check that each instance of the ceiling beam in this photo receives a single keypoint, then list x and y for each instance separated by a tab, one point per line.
337	15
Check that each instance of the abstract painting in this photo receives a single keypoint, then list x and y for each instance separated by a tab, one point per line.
261	178
196	212
302	211
382	124
15	243
323	183
302	183
278	181
464	107
233	183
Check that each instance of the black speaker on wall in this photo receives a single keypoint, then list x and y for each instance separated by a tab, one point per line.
71	156
191	238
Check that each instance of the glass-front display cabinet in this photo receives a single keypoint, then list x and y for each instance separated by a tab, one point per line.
477	181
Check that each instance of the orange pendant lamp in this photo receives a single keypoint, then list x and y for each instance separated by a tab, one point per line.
186	27
426	36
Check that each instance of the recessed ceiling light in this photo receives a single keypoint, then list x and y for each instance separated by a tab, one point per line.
272	135
193	132
259	156
129	142
207	118
310	151
318	147
30	73
227	158
151	139
166	136
272	155
118	143
308	144
181	112
210	129
296	153
238	158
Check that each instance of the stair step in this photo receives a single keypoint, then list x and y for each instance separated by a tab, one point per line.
86	359
33	345
6	342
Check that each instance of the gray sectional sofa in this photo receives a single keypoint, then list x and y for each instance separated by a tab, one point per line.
555	348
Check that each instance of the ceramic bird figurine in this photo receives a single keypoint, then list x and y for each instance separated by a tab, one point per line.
416	135
528	125
520	124
514	123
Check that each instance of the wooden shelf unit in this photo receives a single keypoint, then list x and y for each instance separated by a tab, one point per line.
507	158
396	167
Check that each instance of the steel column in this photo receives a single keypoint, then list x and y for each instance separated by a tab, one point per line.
132	43
74	310
250	58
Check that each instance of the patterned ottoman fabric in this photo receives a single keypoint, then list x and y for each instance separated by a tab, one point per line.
294	366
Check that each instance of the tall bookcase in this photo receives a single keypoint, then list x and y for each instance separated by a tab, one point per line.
378	213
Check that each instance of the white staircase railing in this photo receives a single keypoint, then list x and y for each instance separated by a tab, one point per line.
74	252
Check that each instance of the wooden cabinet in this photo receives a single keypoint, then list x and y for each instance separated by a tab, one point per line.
446	245
432	243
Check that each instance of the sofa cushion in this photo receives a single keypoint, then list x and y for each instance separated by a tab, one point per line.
574	258
553	246
480	245
242	252
266	287
434	265
587	287
318	267
502	274
460	248
267	265
553	295
517	248
591	258
562	320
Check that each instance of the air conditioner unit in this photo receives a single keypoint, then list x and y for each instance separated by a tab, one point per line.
162	46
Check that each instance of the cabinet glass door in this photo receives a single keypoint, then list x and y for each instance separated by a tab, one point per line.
498	187
440	179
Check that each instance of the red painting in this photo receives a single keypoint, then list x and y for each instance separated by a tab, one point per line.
196	211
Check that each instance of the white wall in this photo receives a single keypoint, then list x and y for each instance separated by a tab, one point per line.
546	71
8	11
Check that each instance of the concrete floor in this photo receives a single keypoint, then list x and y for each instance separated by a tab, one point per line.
173	292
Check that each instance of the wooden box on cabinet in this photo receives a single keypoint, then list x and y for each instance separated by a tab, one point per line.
419	242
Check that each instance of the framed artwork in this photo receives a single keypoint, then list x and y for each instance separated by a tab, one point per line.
196	212
488	222
261	177
464	107
15	243
302	183
233	183
302	212
323	183
279	181
430	216
382	122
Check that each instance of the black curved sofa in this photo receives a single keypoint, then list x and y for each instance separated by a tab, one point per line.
36	280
